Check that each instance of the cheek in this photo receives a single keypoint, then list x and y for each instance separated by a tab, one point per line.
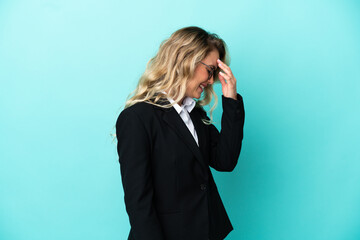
199	77
196	85
192	87
193	84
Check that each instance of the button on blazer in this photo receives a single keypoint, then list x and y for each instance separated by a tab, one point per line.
169	190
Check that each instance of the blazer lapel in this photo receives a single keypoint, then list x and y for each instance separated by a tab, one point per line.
173	119
199	127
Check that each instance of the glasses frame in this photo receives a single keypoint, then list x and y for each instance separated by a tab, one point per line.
212	71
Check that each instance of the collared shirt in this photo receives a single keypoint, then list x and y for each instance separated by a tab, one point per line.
187	106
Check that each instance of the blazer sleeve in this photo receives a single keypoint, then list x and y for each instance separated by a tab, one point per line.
134	152
225	145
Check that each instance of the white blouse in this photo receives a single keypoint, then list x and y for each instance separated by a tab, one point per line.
187	106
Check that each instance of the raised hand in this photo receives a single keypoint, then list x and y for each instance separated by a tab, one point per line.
228	81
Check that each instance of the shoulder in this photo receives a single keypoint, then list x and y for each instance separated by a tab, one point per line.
136	112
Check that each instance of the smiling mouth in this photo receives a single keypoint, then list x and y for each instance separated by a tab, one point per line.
202	86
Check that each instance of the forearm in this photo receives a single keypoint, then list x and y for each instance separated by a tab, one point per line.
226	145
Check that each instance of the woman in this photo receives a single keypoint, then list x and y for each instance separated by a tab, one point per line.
166	141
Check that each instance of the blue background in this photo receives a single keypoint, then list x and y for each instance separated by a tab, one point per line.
66	68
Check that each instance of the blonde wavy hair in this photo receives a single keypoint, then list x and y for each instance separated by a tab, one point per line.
174	65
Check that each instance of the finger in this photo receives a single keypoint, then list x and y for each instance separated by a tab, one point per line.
224	67
228	72
222	80
226	76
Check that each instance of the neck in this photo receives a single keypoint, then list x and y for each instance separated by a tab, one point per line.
181	101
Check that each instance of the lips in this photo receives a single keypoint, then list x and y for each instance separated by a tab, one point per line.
202	86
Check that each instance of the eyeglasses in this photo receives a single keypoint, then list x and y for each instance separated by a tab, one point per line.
212	71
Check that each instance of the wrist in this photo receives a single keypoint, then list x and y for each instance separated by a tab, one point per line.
233	96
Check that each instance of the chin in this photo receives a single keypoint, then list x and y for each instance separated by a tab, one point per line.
197	96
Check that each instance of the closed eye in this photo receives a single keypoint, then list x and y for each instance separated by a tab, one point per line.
213	69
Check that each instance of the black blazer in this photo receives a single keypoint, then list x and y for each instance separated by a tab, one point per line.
169	191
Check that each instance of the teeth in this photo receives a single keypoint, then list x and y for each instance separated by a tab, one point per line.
202	86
